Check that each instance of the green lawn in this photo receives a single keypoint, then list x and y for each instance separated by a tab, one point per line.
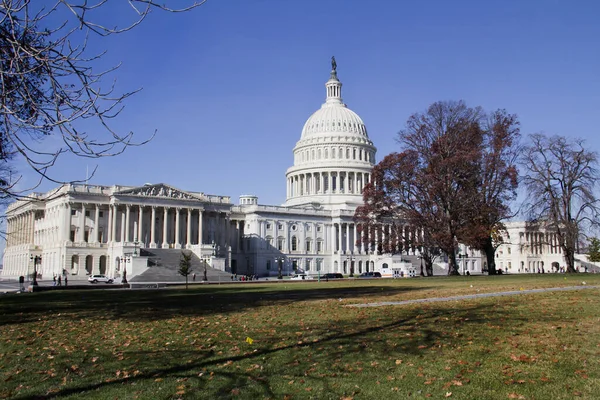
299	340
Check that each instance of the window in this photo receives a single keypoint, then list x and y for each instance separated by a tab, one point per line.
86	236
101	214
318	228
268	265
508	250
72	236
269	241
307	265
319	264
73	212
294	227
280	226
280	244
87	213
308	246
308	228
268	225
294	243
319	246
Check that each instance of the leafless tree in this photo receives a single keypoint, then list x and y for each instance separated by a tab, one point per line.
560	176
50	85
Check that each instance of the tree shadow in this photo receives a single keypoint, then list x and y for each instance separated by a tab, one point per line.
151	305
402	332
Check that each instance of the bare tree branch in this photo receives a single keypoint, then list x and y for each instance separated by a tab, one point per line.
50	86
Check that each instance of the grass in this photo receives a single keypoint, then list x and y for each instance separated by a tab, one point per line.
301	341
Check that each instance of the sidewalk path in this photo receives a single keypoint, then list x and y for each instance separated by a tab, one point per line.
472	296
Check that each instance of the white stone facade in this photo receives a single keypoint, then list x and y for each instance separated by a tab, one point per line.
89	229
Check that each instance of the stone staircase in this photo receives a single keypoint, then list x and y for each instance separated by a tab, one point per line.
163	266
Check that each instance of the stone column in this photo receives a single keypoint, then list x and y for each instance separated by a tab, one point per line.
82	224
333	238
165	216
123	226
341	237
188	240
177	228
127	222
114	225
68	222
109	234
97	224
354	233
200	227
153	228
140	232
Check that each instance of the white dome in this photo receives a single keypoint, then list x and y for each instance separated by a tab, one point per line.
333	158
334	118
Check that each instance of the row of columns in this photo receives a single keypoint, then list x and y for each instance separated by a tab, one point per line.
538	242
374	238
19	229
326	183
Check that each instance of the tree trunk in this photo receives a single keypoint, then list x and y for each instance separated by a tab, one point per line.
429	267
490	255
452	266
570	260
186	282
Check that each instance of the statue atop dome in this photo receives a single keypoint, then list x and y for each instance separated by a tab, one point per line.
333	64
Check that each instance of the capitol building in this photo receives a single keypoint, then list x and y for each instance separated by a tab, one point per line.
81	229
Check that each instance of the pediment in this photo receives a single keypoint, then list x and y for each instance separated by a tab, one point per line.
159	190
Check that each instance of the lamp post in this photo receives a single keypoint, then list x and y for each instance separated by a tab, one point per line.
351	258
279	261
35	260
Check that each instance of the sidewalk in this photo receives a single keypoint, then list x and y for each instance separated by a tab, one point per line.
471	296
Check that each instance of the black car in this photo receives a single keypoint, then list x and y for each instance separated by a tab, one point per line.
333	275
370	275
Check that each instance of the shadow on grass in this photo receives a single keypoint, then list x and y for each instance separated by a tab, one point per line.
150	305
391	335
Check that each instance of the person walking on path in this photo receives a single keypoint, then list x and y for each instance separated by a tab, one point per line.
66	280
54	280
59	283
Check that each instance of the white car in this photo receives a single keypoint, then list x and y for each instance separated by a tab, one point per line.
99	278
300	277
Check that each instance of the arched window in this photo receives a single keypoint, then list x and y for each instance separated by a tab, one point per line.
326	154
332	153
348	153
294	243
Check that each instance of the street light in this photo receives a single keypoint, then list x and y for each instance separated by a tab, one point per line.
279	261
35	262
351	258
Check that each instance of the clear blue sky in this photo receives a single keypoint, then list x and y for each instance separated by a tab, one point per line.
229	85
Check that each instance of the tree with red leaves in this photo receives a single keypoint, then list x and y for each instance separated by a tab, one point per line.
444	182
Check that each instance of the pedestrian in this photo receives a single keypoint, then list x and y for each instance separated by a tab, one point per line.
59	284
194	277
66	280
54	280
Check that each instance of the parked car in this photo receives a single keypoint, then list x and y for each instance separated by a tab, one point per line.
99	278
371	274
332	275
300	277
